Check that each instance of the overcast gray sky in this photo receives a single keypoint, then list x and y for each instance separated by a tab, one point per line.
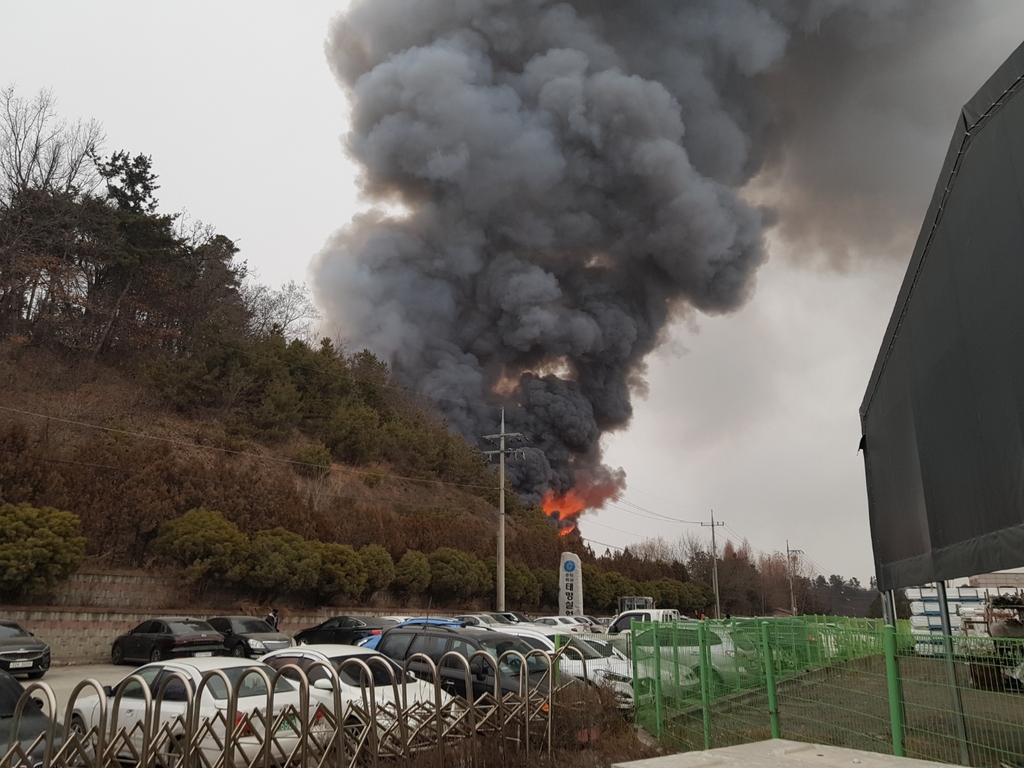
753	414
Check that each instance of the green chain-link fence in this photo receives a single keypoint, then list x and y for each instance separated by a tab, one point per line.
831	680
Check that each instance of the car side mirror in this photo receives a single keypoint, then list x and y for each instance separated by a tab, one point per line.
323	684
37	701
476	667
108	690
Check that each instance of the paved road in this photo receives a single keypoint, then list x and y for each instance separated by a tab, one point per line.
62	680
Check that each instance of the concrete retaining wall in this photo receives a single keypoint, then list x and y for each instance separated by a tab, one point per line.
84	636
92	609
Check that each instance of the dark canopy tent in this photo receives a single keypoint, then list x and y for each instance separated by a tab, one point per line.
943	415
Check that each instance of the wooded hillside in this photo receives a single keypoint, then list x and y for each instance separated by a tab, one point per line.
192	418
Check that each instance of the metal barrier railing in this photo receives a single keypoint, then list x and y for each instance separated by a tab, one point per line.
267	718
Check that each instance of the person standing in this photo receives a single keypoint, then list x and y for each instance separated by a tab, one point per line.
272	618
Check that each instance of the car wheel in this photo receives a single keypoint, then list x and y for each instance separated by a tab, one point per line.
172	758
156	655
117	654
238	651
87	749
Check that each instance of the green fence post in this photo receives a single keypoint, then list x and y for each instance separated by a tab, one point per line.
675	659
769	681
658	714
705	682
637	692
892	674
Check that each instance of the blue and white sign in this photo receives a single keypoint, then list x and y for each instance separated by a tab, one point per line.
570	592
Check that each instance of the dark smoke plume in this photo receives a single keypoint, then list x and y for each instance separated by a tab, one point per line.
569	174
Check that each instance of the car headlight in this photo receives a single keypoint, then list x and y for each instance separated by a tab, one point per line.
256	645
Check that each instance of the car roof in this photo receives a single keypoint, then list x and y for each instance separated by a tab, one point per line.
327	650
172	618
205	664
464	631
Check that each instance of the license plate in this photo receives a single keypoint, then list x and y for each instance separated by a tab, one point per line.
286	725
204	653
21	664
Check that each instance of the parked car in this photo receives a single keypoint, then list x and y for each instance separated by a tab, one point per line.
245	636
514	616
609	668
401	643
311	657
167	638
563	623
623	621
21	653
33	726
373	641
481	620
250	722
343	630
733	658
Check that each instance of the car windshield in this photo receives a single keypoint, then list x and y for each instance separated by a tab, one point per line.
251	685
189	627
585	648
510	664
10	692
12	630
500	619
250	626
350	673
603	648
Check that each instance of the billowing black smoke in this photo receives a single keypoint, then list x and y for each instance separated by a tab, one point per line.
569	176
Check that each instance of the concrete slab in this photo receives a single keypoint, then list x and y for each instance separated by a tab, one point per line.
780	753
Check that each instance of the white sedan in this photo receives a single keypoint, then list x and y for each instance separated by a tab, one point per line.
415	707
563	623
164	683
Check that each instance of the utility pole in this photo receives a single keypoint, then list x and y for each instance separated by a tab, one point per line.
790	561
714	563
500	439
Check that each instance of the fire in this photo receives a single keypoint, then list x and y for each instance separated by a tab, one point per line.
588	493
562	507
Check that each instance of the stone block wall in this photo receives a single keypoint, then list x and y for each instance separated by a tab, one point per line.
84	636
92	609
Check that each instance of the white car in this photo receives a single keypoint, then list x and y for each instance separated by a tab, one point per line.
417	700
165	680
310	659
564	623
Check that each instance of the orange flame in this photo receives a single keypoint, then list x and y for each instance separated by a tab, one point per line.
586	494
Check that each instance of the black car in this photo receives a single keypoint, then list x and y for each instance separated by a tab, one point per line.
166	638
34	723
21	653
344	630
245	636
401	643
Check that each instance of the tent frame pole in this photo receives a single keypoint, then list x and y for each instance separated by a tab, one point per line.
958	702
